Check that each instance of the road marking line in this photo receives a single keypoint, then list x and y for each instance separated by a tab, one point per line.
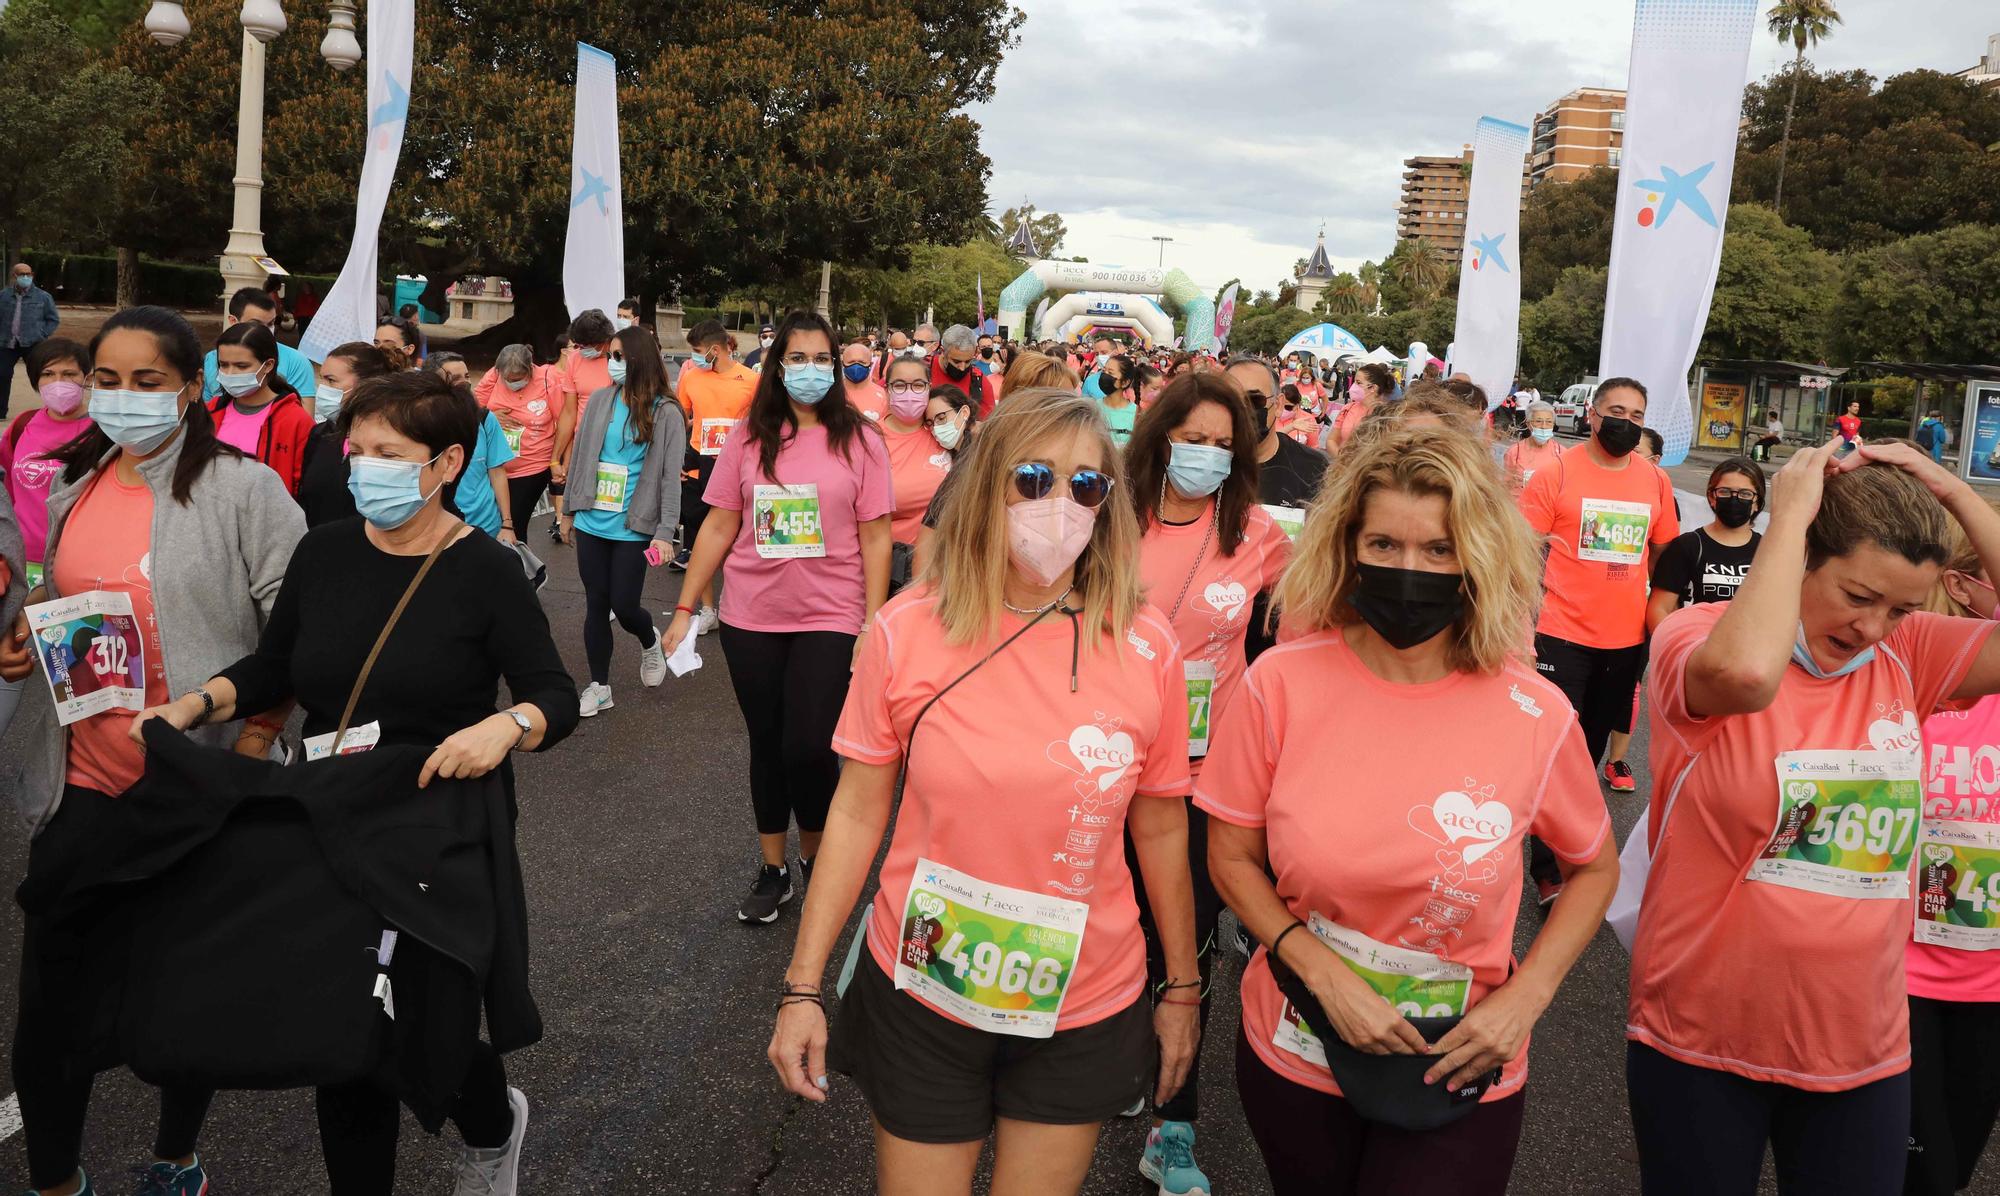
10	1117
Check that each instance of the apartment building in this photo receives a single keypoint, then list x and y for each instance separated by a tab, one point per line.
1583	129
1433	206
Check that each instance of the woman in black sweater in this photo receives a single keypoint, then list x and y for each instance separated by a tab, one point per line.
323	477
473	620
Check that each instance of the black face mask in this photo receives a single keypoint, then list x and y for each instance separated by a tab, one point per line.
988	352
1733	511
1407	607
1617	436
1262	416
955	371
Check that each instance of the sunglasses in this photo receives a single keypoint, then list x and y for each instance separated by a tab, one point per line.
1087	487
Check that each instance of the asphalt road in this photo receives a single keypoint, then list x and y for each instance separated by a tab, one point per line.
636	841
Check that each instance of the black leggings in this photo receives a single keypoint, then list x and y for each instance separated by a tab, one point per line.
1184	1105
613	574
1703	1130
522	495
1599	683
359	1124
790	686
694	508
1315	1144
1954	1091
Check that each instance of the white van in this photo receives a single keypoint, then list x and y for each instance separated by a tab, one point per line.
1573	408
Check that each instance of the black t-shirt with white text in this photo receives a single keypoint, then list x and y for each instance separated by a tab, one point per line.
1699	569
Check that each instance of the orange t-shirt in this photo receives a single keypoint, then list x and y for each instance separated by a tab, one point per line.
1599	523
1524	458
107	544
1414	856
583	377
1018	780
917	465
1213	617
870	398
1349	419
1757	978
714	401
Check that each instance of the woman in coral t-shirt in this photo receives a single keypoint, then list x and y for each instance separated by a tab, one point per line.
917	462
1768	959
1034	707
1395	832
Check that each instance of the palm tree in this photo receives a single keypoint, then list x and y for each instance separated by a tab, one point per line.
1421	268
1802	23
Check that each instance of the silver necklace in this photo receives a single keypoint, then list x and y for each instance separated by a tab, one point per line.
1043	609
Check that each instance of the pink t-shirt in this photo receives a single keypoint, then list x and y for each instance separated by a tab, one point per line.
1419	851
583	377
771	585
1523	458
107	544
1961	781
1016	779
242	429
534	409
1213	618
31	474
917	465
869	398
1757	978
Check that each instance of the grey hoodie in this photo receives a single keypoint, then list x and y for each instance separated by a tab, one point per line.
216	565
655	509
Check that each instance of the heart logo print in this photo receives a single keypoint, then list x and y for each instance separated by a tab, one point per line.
1801	790
1458	817
1896	734
1225	596
1937	853
1101	757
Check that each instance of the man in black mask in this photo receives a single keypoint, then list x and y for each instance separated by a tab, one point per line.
958	349
1288	473
1607	514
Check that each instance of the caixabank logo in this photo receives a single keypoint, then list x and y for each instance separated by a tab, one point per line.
1674	190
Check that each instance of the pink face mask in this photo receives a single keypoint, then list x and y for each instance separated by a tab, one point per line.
61	397
1355	392
1045	536
908	407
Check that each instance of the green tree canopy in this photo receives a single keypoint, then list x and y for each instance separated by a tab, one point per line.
1774	291
1561	331
1564	225
1934	297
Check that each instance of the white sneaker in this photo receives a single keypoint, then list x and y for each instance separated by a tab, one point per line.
653	664
706	619
594	698
495	1171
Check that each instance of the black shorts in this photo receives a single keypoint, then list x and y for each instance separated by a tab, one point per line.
931	1079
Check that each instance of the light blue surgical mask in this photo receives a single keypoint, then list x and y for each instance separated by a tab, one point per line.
238	385
326	402
1198	470
616	366
1542	435
808	383
24	281
387	493
137	421
589	354
1802	656
701	362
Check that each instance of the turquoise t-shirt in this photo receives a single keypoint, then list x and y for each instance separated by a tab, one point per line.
1121	420
617	449
475	489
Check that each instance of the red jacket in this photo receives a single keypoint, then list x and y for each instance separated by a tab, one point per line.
282	443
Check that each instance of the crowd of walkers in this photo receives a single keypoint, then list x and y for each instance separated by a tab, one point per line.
1123	587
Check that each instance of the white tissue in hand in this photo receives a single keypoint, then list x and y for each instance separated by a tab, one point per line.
684	659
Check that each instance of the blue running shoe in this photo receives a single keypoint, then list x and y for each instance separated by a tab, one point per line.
85	1190
169	1179
1169	1161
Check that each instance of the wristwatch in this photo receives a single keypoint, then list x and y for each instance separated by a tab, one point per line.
521	721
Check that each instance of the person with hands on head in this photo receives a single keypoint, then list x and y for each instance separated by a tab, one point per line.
799	523
152	508
1397	855
1790	718
471	620
625	505
1026	696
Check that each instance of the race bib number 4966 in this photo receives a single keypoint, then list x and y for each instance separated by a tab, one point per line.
999	958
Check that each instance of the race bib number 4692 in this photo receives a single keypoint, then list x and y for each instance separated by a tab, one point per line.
1613	532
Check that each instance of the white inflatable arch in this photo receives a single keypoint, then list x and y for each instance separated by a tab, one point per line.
1081	312
1179	291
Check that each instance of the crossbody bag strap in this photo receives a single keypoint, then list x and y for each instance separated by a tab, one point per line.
368	666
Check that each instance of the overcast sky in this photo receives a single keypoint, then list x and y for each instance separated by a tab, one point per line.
1237	126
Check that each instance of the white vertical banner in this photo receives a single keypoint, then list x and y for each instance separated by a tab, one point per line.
348	312
1486	343
594	254
1683	101
1225	317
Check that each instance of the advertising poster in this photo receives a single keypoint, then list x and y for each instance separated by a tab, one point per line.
91	654
1979	455
1722	416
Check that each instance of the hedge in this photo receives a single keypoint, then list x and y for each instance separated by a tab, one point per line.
93	278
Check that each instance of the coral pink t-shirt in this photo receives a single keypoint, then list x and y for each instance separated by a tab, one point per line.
917	465
31	474
583	377
1756	978
1213	618
107	544
1418	851
869	398
1523	458
534	408
782	587
242	428
1599	523
1017	780
1961	783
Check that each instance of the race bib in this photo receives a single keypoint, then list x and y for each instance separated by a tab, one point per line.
1291	519
34	574
611	482
513	437
1847	824
998	958
1958	885
357	740
714	434
1200	675
787	521
92	654
1415	983
1613	532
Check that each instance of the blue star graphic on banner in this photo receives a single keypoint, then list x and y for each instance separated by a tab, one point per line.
1488	249
1676	189
394	109
593	188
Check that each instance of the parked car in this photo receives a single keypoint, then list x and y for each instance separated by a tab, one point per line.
1573	408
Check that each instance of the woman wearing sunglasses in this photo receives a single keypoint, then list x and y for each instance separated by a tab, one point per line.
1034	708
1396	852
799	511
1207	550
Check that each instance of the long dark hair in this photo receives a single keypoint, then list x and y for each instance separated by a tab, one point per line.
645	381
263	346
770	421
181	350
1147	452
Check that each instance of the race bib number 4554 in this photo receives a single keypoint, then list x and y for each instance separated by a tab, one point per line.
1846	824
996	957
787	521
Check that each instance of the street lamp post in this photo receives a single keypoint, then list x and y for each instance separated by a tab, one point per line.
1163	249
242	262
